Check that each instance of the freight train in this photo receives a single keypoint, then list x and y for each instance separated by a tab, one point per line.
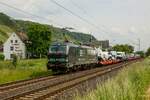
66	57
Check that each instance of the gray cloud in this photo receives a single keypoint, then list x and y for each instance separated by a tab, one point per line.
122	20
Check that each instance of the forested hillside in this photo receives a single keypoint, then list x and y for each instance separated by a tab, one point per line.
8	25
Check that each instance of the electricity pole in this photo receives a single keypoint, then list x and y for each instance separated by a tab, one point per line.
91	38
139	44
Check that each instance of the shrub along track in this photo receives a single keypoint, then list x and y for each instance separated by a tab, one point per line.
46	87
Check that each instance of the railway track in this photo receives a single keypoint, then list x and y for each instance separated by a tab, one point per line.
16	84
47	87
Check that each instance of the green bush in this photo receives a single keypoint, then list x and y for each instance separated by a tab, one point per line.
2	57
15	59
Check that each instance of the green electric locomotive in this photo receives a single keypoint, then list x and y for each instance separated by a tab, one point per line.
64	57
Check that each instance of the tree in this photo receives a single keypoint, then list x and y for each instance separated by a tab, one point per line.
124	48
148	52
141	53
2	57
1	43
40	37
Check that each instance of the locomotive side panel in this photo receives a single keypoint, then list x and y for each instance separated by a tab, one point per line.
72	56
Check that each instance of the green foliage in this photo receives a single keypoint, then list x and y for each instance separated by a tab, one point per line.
130	84
40	37
6	26
141	53
6	20
2	57
14	60
124	48
4	32
25	69
58	33
148	52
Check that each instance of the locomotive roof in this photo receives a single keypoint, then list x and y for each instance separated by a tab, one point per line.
71	44
86	46
65	43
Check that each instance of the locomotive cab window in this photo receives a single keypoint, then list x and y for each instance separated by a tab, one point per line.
82	52
57	49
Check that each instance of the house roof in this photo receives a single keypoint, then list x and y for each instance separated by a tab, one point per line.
23	36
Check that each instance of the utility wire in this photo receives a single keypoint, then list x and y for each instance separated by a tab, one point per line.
85	12
74	14
107	30
80	8
27	13
78	16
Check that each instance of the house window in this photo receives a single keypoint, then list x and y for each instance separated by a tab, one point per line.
11	41
11	48
16	41
11	55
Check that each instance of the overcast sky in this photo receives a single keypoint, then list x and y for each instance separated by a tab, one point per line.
120	21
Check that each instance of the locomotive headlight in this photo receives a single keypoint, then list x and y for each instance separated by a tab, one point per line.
52	60
67	60
62	59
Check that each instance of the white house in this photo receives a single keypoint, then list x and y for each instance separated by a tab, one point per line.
15	45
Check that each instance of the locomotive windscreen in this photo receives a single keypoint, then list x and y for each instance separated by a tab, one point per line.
57	49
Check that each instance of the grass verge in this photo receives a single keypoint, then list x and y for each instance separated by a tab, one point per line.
130	84
25	69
